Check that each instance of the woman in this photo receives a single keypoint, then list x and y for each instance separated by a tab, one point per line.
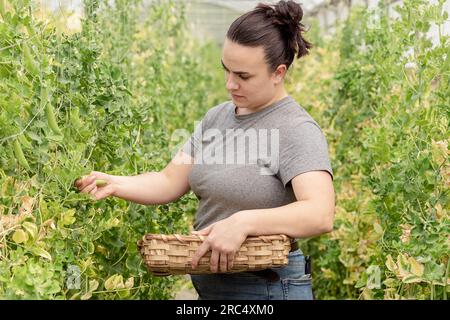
288	190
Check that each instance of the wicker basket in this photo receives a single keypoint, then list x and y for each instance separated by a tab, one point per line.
172	254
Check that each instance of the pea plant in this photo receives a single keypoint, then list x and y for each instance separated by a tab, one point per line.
105	98
381	94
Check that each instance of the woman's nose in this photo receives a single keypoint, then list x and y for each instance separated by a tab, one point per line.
231	84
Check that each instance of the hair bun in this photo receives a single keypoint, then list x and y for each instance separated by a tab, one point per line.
285	14
289	13
275	27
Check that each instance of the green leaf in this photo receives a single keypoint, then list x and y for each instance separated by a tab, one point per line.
133	263
41	253
75	296
361	282
68	217
35	137
56	138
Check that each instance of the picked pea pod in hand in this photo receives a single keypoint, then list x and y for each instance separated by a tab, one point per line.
100	183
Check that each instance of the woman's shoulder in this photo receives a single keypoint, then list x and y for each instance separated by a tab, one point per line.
293	115
219	108
214	113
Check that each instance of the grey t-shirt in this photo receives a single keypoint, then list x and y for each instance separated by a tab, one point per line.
244	162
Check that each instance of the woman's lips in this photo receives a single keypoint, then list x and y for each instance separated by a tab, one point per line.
236	96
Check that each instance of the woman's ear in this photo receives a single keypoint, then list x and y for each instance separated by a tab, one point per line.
279	73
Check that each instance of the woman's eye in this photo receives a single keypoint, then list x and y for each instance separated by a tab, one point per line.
244	78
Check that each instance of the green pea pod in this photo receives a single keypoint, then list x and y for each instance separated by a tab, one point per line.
100	183
49	111
20	156
29	61
75	119
24	141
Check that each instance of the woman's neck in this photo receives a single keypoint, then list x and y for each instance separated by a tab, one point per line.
282	94
277	97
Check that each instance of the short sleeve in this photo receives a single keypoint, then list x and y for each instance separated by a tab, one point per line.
193	144
303	148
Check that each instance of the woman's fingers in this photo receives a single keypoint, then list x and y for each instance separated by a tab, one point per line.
223	262
230	261
89	188
201	251
103	192
84	181
214	261
98	184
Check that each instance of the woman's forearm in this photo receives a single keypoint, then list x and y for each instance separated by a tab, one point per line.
147	188
300	219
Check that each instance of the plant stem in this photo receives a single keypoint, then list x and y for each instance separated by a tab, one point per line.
446	279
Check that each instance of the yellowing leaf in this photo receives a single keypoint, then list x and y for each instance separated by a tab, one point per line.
403	264
367	294
440	212
114	282
8	221
109	283
27	206
328	273
93	285
390	282
390	264
378	229
439	151
129	283
411	279
111	223
86	296
19	236
406	233
416	267
31	228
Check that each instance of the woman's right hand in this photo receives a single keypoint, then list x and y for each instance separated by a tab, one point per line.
90	184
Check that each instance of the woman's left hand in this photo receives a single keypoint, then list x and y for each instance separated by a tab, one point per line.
224	239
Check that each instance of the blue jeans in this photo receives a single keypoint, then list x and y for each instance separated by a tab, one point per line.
294	284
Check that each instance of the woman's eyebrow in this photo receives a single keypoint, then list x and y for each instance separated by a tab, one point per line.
236	72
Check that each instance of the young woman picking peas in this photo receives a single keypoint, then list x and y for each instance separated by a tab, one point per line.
295	196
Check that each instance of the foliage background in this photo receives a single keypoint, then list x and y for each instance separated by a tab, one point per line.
380	90
108	97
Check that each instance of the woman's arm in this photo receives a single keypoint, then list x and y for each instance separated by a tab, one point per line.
147	188
311	215
161	187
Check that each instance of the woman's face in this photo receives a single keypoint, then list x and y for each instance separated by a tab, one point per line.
248	79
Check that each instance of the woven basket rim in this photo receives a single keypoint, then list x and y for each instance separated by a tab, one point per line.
195	237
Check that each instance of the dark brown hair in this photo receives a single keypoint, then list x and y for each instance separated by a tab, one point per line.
277	28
